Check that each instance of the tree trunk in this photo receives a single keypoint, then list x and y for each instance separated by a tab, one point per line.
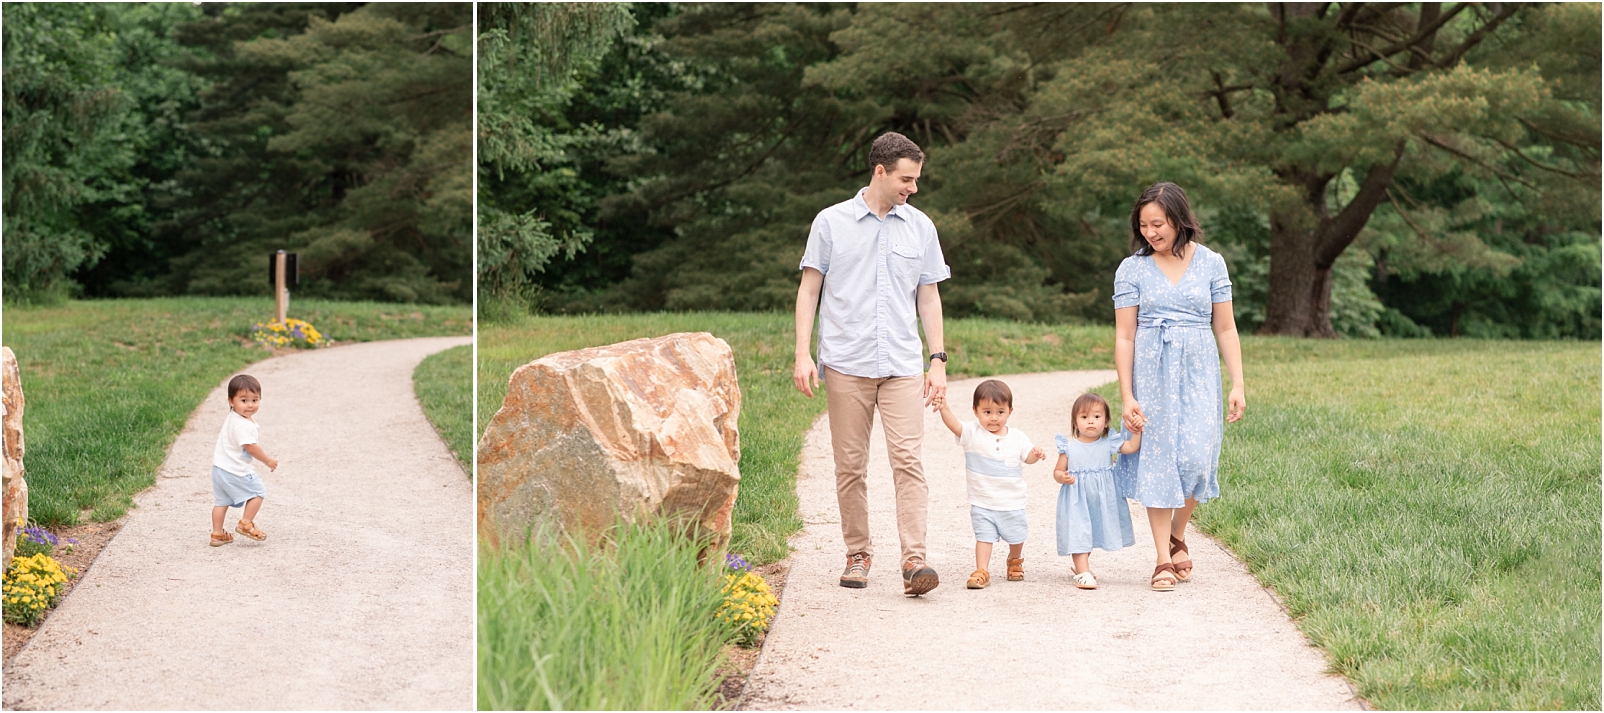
1299	302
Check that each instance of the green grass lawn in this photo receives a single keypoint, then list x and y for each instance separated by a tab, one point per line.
444	384
1429	513
110	383
1428	510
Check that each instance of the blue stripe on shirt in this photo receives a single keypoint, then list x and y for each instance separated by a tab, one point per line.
991	467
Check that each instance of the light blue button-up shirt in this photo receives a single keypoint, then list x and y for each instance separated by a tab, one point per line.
873	267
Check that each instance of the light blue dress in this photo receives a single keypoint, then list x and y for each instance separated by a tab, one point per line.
1176	378
1092	513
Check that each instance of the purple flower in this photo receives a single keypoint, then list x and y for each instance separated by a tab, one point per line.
39	535
736	562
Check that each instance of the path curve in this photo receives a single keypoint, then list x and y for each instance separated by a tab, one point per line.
1036	644
362	596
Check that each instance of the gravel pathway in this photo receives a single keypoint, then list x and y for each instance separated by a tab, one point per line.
1036	644
361	597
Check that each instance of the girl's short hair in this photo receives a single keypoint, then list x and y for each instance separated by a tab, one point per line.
994	391
243	382
1177	210
1087	402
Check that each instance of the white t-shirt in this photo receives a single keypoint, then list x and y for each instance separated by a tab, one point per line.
230	454
995	466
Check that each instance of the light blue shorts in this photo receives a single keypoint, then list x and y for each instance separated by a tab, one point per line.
232	490
992	525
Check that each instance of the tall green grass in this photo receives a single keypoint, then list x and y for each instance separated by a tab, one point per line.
624	626
110	383
444	384
1429	513
774	415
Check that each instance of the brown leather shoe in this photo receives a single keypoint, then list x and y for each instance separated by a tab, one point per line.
1016	570
856	575
918	577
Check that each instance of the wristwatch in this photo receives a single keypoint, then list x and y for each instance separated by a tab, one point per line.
939	355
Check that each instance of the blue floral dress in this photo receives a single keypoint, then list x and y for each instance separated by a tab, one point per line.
1175	376
1092	513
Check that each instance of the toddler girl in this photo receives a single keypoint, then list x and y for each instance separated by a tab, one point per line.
234	480
1091	512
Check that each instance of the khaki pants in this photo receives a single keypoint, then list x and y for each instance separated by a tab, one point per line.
852	403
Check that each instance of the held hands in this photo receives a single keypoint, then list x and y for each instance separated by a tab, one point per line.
805	375
1131	411
935	393
1238	403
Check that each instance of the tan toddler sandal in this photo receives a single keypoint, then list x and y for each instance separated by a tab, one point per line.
250	530
1016	569
220	540
979	579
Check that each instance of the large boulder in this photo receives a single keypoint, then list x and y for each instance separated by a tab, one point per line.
15	504
645	428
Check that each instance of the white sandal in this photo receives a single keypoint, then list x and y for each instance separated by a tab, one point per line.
1085	580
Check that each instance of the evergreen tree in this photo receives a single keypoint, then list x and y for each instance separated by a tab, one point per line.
336	132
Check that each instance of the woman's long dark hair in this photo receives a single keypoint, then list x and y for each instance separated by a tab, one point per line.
1177	210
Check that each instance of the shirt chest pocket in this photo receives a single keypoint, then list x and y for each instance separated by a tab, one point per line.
905	260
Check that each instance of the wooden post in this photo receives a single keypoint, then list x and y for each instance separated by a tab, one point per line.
282	294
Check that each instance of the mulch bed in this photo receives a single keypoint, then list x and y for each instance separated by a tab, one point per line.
738	660
92	538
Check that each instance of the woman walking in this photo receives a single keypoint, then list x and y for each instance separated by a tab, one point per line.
1167	297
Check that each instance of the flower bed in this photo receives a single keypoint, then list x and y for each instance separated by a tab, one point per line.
289	333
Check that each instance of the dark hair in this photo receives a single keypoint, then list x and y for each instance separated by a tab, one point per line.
891	147
994	391
1085	403
243	382
1177	210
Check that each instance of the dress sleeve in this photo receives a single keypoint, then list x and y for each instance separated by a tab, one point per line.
1220	282
817	253
1061	442
1127	293
1116	441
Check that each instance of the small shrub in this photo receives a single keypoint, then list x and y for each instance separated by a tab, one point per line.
32	586
748	603
289	333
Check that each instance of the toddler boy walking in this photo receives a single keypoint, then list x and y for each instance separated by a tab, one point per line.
234	480
993	456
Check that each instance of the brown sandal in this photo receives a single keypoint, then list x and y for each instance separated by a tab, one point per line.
250	530
1164	578
1183	570
223	539
979	579
1016	570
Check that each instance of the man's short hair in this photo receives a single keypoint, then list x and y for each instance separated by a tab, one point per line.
891	147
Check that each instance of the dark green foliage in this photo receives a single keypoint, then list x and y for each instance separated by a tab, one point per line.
341	136
165	148
1042	122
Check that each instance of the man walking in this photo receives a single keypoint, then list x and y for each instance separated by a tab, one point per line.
875	261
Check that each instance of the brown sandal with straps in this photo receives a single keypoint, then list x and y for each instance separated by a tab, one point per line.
1164	578
1183	570
979	579
1016	569
250	530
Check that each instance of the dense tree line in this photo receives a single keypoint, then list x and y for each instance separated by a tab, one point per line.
1367	169
164	149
